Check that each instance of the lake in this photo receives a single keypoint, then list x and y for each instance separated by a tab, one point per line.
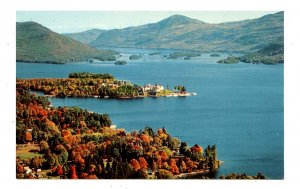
238	107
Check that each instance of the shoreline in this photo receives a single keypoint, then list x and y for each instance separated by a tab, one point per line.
119	98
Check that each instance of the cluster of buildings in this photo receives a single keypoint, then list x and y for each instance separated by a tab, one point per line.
151	89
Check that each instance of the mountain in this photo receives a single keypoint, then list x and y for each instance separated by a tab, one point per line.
181	32
36	43
86	36
273	53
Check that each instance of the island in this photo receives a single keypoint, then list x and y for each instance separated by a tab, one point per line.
186	54
120	62
229	60
73	143
84	84
215	55
154	53
135	57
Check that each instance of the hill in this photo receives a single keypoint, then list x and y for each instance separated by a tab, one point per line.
86	36
185	33
36	43
273	53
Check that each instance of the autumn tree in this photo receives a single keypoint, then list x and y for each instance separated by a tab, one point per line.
182	167
164	174
59	170
135	164
173	167
28	136
73	172
44	147
143	163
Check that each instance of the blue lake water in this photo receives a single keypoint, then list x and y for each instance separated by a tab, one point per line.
238	107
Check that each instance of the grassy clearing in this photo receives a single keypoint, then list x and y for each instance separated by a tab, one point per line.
25	151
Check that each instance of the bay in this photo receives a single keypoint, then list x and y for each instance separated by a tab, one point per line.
237	107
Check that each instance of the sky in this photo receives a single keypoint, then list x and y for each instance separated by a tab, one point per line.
77	21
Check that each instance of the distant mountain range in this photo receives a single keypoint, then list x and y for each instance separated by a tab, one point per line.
181	32
36	43
86	36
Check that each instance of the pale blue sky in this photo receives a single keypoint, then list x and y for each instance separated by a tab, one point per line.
76	21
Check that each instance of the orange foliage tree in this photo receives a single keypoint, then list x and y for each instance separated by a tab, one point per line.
143	163
28	136
135	164
145	138
173	167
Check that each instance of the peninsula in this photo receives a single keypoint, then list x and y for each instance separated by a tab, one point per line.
72	143
99	86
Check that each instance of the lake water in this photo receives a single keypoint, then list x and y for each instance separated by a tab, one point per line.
238	107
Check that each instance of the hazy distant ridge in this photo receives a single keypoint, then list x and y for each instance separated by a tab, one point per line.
85	36
182	32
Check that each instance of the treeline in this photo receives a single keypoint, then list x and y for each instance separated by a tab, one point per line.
80	144
180	88
82	85
47	122
229	60
273	53
242	176
91	75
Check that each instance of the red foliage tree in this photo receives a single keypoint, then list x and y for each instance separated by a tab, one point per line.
197	148
20	168
59	170
73	172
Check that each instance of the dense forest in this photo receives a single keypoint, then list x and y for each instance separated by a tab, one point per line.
271	54
229	60
75	143
242	176
82	85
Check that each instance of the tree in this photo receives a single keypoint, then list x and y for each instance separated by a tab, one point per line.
44	147
164	174
173	167
145	138
182	167
150	131
164	156
28	136
184	149
73	172
135	164
59	170
143	163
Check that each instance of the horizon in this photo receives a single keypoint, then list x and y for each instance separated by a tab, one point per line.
64	22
